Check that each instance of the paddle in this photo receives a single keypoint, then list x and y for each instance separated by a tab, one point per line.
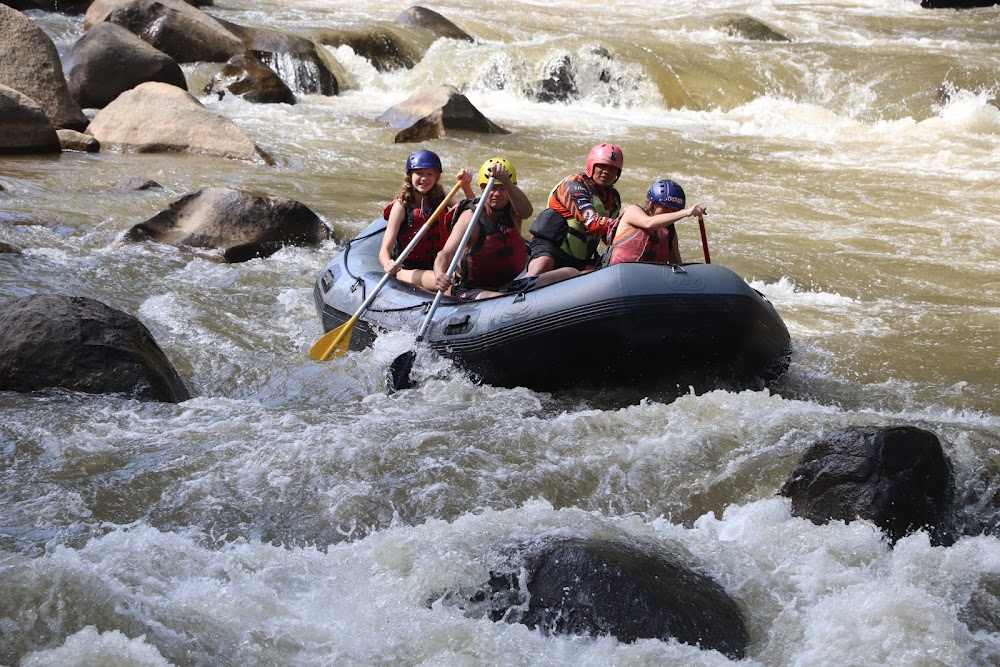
335	342
398	374
704	239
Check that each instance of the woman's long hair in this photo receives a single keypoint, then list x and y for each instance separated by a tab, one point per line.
408	193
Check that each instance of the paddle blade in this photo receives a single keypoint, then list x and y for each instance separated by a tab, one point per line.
397	376
333	343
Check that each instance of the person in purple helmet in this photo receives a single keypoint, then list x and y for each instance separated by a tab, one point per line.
646	233
420	195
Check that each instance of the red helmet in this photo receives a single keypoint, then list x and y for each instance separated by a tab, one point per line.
608	154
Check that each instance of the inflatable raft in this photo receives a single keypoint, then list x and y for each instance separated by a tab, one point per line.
628	324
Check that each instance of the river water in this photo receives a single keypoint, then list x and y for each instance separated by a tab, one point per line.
292	513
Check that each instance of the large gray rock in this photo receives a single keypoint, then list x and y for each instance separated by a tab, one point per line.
29	63
81	344
898	477
598	587
160	118
432	110
24	127
427	19
242	224
98	10
108	60
749	28
183	32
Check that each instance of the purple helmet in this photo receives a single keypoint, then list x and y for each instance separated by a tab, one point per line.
667	193
423	160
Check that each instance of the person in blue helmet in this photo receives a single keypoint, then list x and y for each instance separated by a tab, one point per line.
420	195
646	233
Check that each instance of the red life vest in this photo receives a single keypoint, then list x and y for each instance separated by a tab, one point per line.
499	255
641	246
423	254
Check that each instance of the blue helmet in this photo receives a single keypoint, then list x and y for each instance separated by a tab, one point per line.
423	160
667	193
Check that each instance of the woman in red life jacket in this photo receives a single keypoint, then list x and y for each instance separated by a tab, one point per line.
496	253
420	196
647	234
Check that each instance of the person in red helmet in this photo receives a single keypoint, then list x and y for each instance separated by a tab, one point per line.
647	234
580	210
406	214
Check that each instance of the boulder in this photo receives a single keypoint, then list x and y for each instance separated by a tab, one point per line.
432	110
386	48
135	184
899	478
183	32
606	587
303	66
427	19
71	140
80	344
559	83
957	4
108	60
242	224
157	117
61	6
24	127
98	10
247	77
748	28
9	249
29	63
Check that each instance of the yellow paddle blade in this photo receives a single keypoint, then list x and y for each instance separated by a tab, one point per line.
333	343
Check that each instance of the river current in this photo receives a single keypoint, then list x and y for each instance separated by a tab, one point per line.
293	513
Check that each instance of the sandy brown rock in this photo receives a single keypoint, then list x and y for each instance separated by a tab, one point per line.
29	63
71	140
432	110
24	127
160	118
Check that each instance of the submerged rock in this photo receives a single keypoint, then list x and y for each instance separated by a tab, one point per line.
83	345
599	587
247	77
898	477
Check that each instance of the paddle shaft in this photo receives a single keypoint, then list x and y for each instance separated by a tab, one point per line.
410	246
704	238
325	347
457	258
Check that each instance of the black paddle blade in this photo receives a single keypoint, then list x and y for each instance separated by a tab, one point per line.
397	376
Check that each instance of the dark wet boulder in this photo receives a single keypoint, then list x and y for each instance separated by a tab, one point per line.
76	343
432	110
957	4
599	587
899	478
180	30
248	78
136	183
61	6
108	60
6	248
29	63
240	223
751	29
304	67
24	127
387	48
559	82
428	19
71	140
156	117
